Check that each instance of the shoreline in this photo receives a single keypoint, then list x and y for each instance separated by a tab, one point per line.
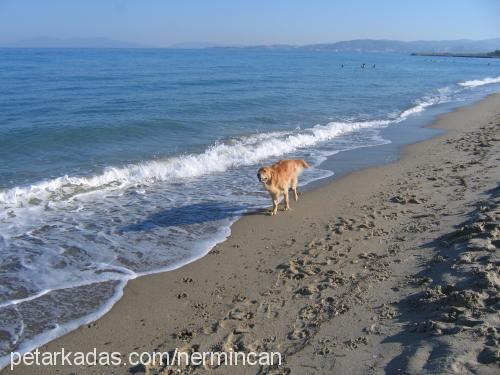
183	306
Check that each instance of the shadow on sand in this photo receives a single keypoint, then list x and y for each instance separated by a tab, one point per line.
448	248
196	213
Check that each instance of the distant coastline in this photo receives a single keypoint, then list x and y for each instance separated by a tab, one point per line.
489	55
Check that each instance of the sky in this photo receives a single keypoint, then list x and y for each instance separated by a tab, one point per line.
161	23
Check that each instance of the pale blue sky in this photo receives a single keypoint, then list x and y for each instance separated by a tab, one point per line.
237	22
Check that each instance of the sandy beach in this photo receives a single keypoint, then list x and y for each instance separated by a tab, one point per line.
391	269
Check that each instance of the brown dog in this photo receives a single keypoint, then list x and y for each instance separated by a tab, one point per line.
279	178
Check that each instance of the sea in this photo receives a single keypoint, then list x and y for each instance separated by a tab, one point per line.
118	163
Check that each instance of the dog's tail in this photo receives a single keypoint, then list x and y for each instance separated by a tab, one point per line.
304	164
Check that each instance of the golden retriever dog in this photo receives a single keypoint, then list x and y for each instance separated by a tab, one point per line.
279	178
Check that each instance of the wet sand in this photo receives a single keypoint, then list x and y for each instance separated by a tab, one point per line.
389	269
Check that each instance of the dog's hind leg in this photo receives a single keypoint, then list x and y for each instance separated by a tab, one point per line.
287	202
294	188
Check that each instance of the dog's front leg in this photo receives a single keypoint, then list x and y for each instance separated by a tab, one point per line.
275	204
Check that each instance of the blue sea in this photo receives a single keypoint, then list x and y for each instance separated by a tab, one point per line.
120	163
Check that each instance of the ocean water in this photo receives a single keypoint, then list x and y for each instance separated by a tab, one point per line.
120	163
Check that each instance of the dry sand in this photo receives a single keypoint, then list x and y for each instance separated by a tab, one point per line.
392	269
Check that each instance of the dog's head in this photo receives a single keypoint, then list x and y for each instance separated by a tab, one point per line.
265	174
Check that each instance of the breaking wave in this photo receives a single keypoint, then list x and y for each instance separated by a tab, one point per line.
480	82
217	158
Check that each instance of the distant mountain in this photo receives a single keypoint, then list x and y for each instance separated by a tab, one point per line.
48	42
441	46
358	45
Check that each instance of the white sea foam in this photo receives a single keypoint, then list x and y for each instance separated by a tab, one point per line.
217	158
480	82
443	95
62	329
419	107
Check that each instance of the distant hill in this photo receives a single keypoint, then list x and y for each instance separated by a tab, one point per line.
442	46
47	42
